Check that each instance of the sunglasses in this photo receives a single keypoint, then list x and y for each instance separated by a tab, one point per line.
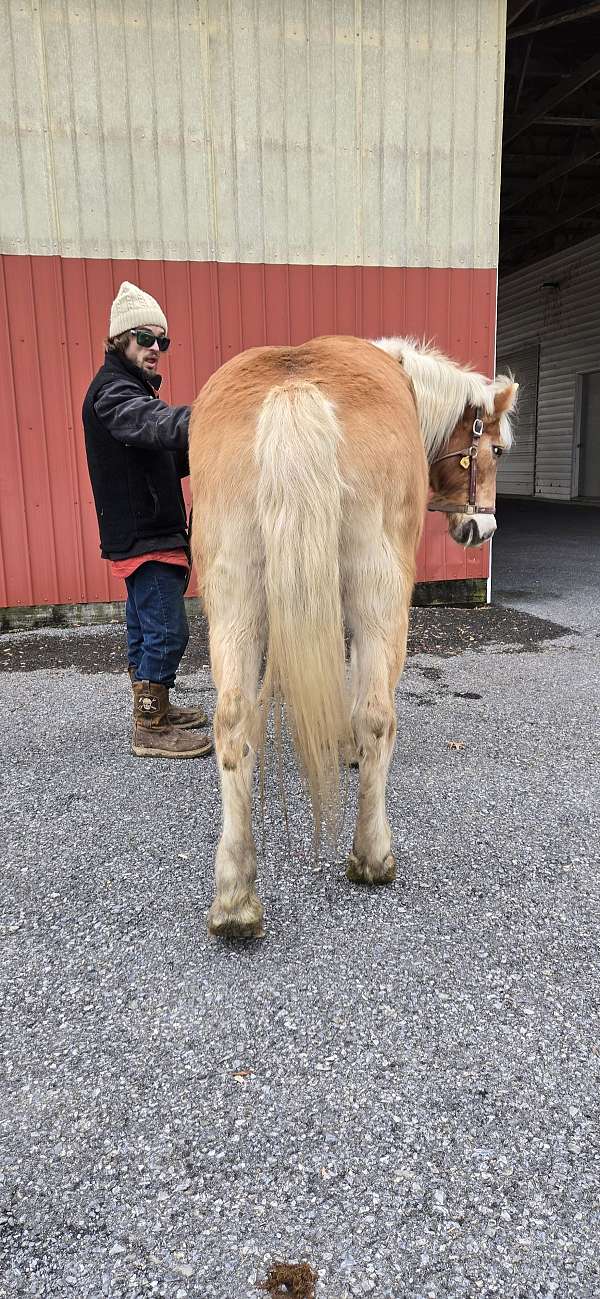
144	338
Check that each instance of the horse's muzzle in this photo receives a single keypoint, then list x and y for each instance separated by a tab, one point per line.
471	529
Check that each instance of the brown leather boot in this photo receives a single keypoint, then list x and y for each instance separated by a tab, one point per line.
153	737
187	718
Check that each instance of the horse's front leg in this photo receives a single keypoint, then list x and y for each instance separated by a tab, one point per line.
236	911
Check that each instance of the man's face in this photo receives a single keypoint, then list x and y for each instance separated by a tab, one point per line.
144	356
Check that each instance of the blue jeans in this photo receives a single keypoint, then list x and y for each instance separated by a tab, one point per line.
157	625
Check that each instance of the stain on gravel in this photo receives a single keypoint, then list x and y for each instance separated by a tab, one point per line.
422	701
445	632
88	649
431	674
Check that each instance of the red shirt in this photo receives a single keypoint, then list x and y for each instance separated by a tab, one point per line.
125	567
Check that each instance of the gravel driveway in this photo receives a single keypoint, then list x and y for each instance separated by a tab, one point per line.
399	1086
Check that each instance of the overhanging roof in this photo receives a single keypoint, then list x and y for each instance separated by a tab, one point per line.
550	195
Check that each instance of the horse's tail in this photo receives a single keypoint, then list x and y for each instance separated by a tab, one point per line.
299	509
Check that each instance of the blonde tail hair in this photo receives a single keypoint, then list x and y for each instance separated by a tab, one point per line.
299	510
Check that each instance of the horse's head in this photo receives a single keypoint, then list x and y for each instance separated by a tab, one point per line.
463	475
465	423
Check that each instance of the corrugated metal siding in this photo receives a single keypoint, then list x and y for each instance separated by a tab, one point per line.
516	472
266	169
53	315
320	132
565	322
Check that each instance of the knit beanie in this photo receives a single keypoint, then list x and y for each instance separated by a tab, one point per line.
132	308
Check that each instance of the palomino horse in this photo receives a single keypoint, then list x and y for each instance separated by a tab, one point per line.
310	469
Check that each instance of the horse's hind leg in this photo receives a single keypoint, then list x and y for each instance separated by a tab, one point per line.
374	729
236	651
377	612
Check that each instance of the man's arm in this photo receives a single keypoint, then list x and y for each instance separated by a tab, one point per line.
142	421
183	464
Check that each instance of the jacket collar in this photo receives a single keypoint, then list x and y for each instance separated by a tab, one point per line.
116	361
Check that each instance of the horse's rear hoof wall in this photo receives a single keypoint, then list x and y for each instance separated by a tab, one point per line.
246	923
360	871
236	933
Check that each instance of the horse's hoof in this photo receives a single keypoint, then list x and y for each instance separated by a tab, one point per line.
360	871
244	923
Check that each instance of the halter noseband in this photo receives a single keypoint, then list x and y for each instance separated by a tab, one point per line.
468	461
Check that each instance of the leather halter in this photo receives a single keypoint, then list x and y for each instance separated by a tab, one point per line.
468	461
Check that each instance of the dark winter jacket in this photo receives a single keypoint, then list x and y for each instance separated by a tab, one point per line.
137	453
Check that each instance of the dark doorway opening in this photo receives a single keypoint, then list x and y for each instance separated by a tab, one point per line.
551	147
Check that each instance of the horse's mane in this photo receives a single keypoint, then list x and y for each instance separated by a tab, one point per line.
444	389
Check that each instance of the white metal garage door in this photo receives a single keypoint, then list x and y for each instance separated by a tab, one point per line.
516	472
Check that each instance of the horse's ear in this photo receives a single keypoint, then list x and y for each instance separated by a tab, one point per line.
505	399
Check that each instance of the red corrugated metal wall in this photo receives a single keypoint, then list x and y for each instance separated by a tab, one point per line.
54	316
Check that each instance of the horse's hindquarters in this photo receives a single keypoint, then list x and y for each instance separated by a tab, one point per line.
309	483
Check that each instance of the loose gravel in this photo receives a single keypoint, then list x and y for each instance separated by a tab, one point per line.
398	1086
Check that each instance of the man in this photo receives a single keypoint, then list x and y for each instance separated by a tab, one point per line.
137	453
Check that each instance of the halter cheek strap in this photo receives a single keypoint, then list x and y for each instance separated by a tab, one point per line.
468	460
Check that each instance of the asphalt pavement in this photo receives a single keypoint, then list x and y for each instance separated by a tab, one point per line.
399	1086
